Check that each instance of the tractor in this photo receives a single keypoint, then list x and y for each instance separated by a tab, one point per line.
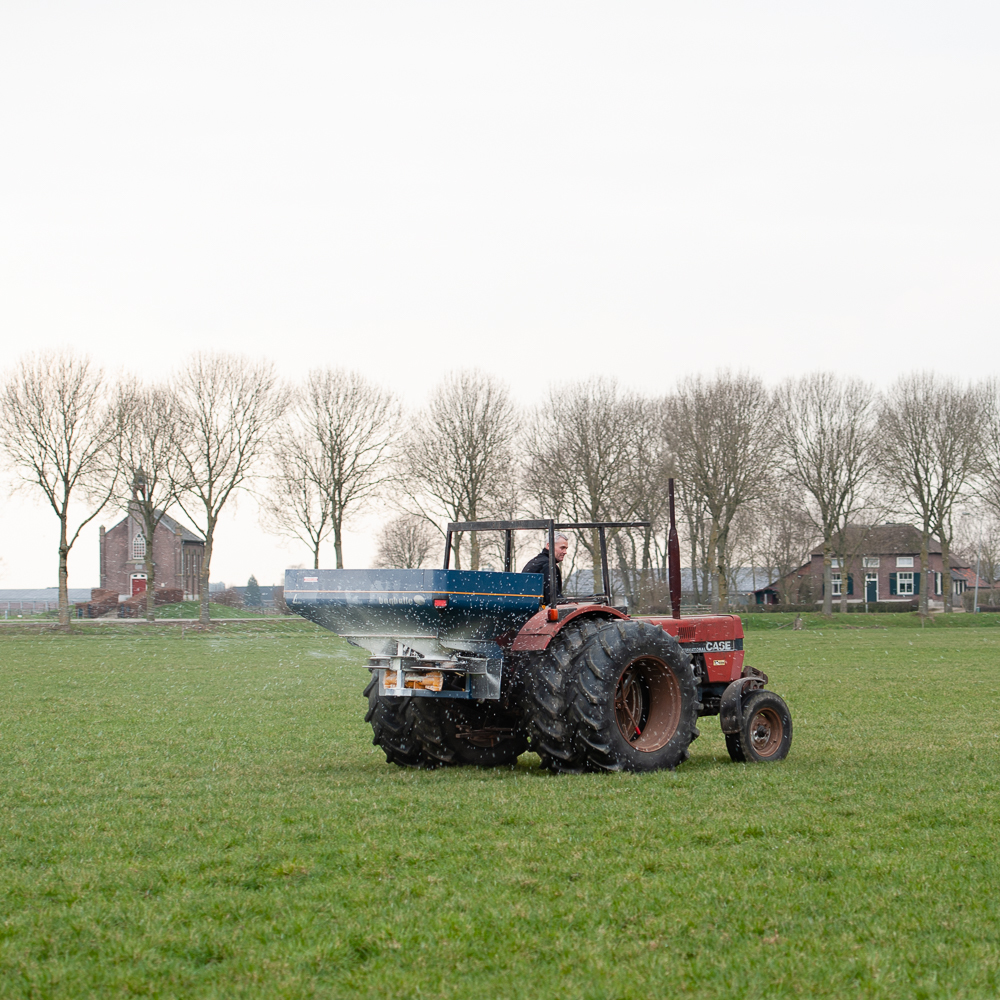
471	667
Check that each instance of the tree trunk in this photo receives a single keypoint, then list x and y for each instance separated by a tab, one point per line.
338	544
206	568
150	569
924	570
843	585
595	551
63	572
827	578
316	556
722	602
694	568
645	586
473	547
946	572
716	548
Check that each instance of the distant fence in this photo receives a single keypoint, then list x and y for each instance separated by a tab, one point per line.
15	608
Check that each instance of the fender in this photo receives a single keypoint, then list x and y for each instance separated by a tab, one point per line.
731	706
538	632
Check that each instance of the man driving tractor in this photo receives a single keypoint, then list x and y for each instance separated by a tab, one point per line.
540	564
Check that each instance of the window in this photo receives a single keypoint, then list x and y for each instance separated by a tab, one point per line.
904	582
139	546
835	563
871	562
835	579
906	561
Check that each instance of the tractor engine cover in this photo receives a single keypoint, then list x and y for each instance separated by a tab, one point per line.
718	638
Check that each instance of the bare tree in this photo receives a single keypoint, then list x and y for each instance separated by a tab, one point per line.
723	435
405	542
294	505
827	443
853	541
989	419
582	461
931	448
344	430
152	473
228	406
458	459
651	465
57	425
695	528
977	542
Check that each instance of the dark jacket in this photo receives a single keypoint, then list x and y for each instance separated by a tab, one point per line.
540	564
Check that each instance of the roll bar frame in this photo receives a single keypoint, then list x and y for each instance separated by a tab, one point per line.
552	526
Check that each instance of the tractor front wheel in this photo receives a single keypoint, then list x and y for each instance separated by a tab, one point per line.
765	729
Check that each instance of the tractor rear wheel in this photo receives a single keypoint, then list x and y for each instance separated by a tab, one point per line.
766	727
453	731
614	696
543	683
393	727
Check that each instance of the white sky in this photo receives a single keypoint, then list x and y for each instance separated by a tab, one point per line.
538	189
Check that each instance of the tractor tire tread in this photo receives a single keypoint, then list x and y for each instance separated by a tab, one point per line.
435	725
392	725
567	705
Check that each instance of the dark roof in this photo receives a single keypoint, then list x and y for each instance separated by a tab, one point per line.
186	534
885	540
171	525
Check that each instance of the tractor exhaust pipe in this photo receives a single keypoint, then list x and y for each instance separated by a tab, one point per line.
674	559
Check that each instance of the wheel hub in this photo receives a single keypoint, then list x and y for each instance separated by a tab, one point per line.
766	731
647	704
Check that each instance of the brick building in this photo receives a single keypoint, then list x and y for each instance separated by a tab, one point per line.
177	555
883	565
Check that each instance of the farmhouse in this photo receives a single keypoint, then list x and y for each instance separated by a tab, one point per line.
879	562
178	554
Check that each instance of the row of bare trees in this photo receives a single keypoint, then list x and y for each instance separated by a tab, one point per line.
762	473
822	456
87	441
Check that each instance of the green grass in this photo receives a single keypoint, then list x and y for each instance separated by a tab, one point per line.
856	622
205	816
192	609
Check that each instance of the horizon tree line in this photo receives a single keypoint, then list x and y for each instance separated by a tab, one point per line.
763	474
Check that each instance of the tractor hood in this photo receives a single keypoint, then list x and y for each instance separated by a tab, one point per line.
435	612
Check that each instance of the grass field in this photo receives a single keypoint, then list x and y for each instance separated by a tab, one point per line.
191	609
205	816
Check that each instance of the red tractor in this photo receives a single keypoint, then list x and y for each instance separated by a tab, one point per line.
470	667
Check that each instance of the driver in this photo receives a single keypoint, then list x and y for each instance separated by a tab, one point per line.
540	564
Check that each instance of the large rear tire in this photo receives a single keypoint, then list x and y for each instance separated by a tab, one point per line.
453	731
393	727
634	699
613	696
543	679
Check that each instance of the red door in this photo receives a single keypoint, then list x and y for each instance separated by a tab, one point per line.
138	586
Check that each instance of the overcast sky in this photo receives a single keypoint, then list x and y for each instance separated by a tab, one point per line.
542	190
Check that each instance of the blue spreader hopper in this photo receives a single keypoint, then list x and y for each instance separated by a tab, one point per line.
442	624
